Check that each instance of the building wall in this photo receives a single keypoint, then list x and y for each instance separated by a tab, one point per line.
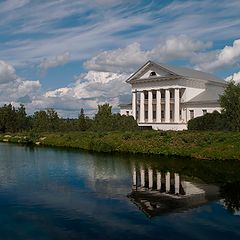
126	111
198	111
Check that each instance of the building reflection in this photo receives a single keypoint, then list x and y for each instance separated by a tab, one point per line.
157	192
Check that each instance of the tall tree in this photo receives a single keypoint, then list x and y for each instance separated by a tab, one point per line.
230	103
82	123
103	120
21	118
8	118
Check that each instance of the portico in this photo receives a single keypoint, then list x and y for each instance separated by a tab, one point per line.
157	105
167	97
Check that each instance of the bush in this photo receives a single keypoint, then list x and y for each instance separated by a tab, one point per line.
210	121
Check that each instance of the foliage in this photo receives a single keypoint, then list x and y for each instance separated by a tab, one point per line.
82	121
230	103
45	120
228	119
197	144
12	120
106	121
16	120
209	121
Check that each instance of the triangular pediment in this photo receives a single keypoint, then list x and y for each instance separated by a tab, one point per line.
150	70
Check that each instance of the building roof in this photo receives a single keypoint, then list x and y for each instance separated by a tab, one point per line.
209	95
179	71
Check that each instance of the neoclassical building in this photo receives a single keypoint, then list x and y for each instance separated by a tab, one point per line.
166	97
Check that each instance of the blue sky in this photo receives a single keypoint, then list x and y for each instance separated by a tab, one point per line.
72	54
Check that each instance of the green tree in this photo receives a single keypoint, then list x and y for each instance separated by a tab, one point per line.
21	118
40	121
8	118
53	120
103	120
82	122
230	103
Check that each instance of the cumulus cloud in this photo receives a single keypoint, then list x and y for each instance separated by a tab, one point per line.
228	56
178	47
234	77
129	58
13	87
7	73
87	92
54	62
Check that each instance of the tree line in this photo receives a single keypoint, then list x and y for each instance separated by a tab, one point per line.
16	120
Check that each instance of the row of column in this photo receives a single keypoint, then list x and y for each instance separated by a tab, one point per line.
158	106
159	179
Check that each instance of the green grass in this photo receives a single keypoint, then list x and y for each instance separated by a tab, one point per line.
196	144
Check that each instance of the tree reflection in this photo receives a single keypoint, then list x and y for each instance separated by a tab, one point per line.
230	192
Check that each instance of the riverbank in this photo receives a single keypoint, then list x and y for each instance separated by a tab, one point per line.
196	144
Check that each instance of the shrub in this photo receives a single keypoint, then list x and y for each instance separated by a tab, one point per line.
210	121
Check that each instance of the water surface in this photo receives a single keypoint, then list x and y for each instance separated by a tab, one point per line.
58	194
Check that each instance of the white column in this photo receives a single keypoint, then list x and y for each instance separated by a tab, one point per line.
158	106
158	181
142	110
134	104
142	177
134	177
176	105
150	106
177	183
167	181
150	178
167	106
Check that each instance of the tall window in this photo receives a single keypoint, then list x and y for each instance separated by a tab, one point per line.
154	95
154	115
162	114
146	114
204	111
191	114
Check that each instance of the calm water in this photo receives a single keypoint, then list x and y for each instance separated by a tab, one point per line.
58	194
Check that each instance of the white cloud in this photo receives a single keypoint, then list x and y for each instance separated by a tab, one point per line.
13	87
129	58
228	56
7	72
235	77
36	29
178	47
89	90
54	62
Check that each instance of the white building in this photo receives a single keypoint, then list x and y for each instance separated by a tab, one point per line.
165	97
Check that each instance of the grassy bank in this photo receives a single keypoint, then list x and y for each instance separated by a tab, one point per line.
201	145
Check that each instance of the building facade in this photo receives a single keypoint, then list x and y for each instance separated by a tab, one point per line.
166	97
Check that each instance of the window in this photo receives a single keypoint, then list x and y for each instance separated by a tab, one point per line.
152	74
171	94
163	94
162	114
154	95
204	111
191	114
154	114
146	114
146	95
171	114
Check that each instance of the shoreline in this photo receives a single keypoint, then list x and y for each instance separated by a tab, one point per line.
186	144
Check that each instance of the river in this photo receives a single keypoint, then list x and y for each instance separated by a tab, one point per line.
49	193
